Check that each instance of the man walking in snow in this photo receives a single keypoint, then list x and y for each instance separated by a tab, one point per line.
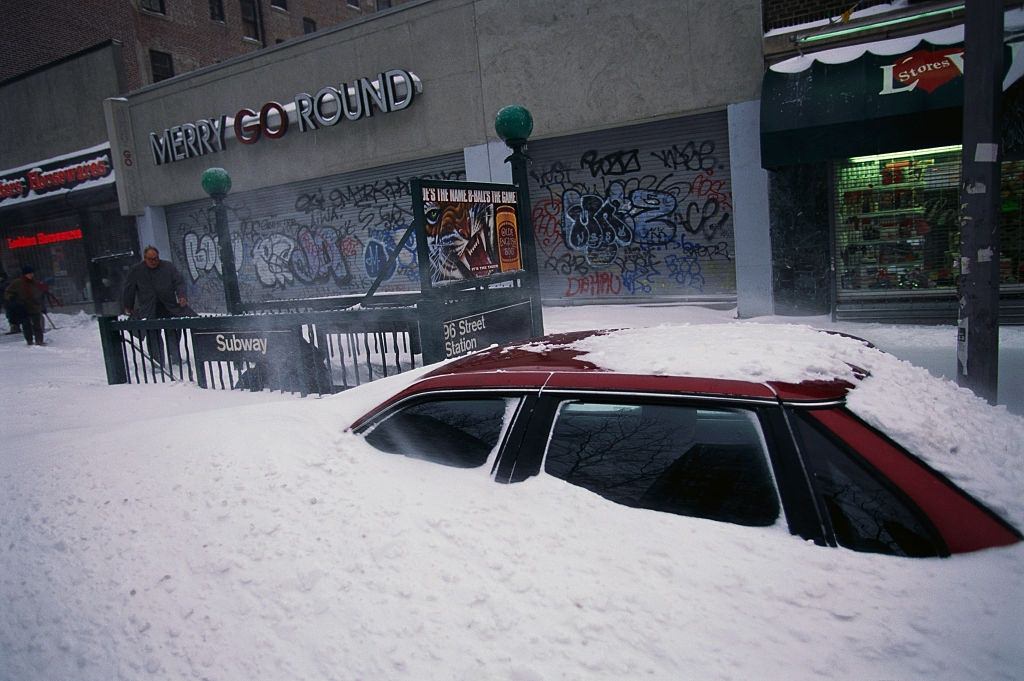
25	298
154	289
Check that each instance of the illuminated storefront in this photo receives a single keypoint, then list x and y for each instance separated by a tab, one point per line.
60	216
880	124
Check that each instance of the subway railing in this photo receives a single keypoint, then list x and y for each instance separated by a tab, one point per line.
304	352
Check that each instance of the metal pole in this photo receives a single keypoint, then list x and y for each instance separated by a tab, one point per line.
113	359
519	162
227	258
978	319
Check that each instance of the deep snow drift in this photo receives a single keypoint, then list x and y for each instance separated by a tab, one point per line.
168	532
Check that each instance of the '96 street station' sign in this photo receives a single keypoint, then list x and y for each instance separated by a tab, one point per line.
500	325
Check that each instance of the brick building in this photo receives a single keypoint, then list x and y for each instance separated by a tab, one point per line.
184	34
61	60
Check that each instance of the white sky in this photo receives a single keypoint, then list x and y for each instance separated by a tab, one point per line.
168	532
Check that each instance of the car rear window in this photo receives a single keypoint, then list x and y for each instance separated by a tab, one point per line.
962	522
455	432
707	463
867	514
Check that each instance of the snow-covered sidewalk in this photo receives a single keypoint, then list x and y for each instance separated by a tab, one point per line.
167	532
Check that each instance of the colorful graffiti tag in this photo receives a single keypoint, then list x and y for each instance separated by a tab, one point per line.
628	223
317	242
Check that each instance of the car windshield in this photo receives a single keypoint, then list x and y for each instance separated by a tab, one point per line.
708	463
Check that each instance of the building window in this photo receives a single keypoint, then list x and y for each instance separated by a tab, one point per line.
161	64
217	10
308	25
153	6
354	4
251	20
383	4
280	4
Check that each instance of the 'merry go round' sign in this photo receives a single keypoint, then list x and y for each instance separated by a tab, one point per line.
392	90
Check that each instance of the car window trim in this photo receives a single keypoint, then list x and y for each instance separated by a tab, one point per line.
550	403
391	408
796	488
521	394
759	401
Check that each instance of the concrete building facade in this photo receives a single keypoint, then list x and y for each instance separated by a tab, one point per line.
638	194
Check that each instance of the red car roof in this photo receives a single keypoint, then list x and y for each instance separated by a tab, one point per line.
551	363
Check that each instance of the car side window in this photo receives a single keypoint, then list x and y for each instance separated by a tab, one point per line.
707	463
865	514
455	432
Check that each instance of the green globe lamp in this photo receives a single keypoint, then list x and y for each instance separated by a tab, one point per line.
513	123
216	182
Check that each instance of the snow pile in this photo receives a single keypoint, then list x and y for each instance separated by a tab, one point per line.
742	351
168	532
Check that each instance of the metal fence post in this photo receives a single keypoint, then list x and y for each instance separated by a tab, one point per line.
113	359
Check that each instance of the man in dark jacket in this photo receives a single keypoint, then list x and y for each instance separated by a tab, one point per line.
25	298
154	289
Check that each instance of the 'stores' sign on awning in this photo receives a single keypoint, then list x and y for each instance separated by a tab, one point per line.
872	104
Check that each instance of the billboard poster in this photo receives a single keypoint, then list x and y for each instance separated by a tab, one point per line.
469	231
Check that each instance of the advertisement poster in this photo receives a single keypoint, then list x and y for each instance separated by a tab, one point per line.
471	232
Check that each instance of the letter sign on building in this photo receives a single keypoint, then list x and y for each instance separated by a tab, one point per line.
390	91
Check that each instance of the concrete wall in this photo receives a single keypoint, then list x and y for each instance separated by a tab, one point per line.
580	66
58	110
751	218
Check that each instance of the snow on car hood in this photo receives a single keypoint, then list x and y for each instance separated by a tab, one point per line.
976	445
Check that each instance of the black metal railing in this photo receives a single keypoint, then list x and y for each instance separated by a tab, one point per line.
328	351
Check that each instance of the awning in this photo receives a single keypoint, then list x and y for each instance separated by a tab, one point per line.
892	95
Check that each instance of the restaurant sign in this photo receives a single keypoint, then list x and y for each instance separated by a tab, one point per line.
56	176
390	91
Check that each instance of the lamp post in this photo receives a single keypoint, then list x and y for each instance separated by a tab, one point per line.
514	124
217	183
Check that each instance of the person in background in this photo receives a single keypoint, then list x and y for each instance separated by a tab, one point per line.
24	298
4	283
154	289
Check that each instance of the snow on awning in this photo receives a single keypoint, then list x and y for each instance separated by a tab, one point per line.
889	95
1013	29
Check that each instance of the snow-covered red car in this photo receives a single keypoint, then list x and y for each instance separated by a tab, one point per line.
756	425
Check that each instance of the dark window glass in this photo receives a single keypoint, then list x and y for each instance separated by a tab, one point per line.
866	514
354	4
462	433
308	25
250	19
383	4
162	65
280	4
152	6
217	10
698	462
